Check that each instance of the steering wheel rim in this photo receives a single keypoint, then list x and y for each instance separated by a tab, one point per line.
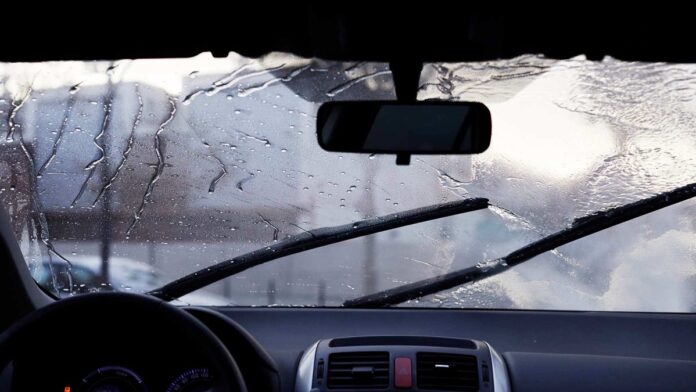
16	337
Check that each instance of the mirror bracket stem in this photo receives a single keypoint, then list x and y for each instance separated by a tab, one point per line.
406	76
403	159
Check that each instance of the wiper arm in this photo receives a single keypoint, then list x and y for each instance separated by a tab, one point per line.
310	240
580	228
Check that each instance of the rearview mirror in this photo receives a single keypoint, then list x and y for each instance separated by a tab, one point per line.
389	127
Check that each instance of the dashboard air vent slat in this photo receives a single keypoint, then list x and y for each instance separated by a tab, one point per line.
447	372
358	370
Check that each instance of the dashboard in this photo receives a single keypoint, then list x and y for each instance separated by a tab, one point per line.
117	378
542	351
414	363
114	356
346	350
135	354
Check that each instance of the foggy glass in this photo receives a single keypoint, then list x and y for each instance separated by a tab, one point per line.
139	172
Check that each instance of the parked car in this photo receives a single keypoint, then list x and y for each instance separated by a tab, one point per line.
83	275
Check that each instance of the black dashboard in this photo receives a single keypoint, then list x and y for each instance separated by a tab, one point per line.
570	351
416	363
123	349
314	349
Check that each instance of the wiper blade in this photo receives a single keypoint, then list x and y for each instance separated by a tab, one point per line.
580	228
310	240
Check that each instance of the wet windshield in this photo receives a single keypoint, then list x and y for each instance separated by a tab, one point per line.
140	172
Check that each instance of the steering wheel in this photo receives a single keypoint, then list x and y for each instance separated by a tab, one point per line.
98	309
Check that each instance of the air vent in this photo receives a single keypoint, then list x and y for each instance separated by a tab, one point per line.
358	370
447	372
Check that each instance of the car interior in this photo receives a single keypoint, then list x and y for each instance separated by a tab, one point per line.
218	225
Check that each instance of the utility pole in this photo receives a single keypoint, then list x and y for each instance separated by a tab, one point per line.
106	224
370	273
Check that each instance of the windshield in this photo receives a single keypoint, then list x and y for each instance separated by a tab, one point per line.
140	172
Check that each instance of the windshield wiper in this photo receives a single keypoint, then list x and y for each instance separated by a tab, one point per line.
580	228
310	240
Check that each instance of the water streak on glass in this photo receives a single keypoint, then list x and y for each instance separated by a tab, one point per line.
153	169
